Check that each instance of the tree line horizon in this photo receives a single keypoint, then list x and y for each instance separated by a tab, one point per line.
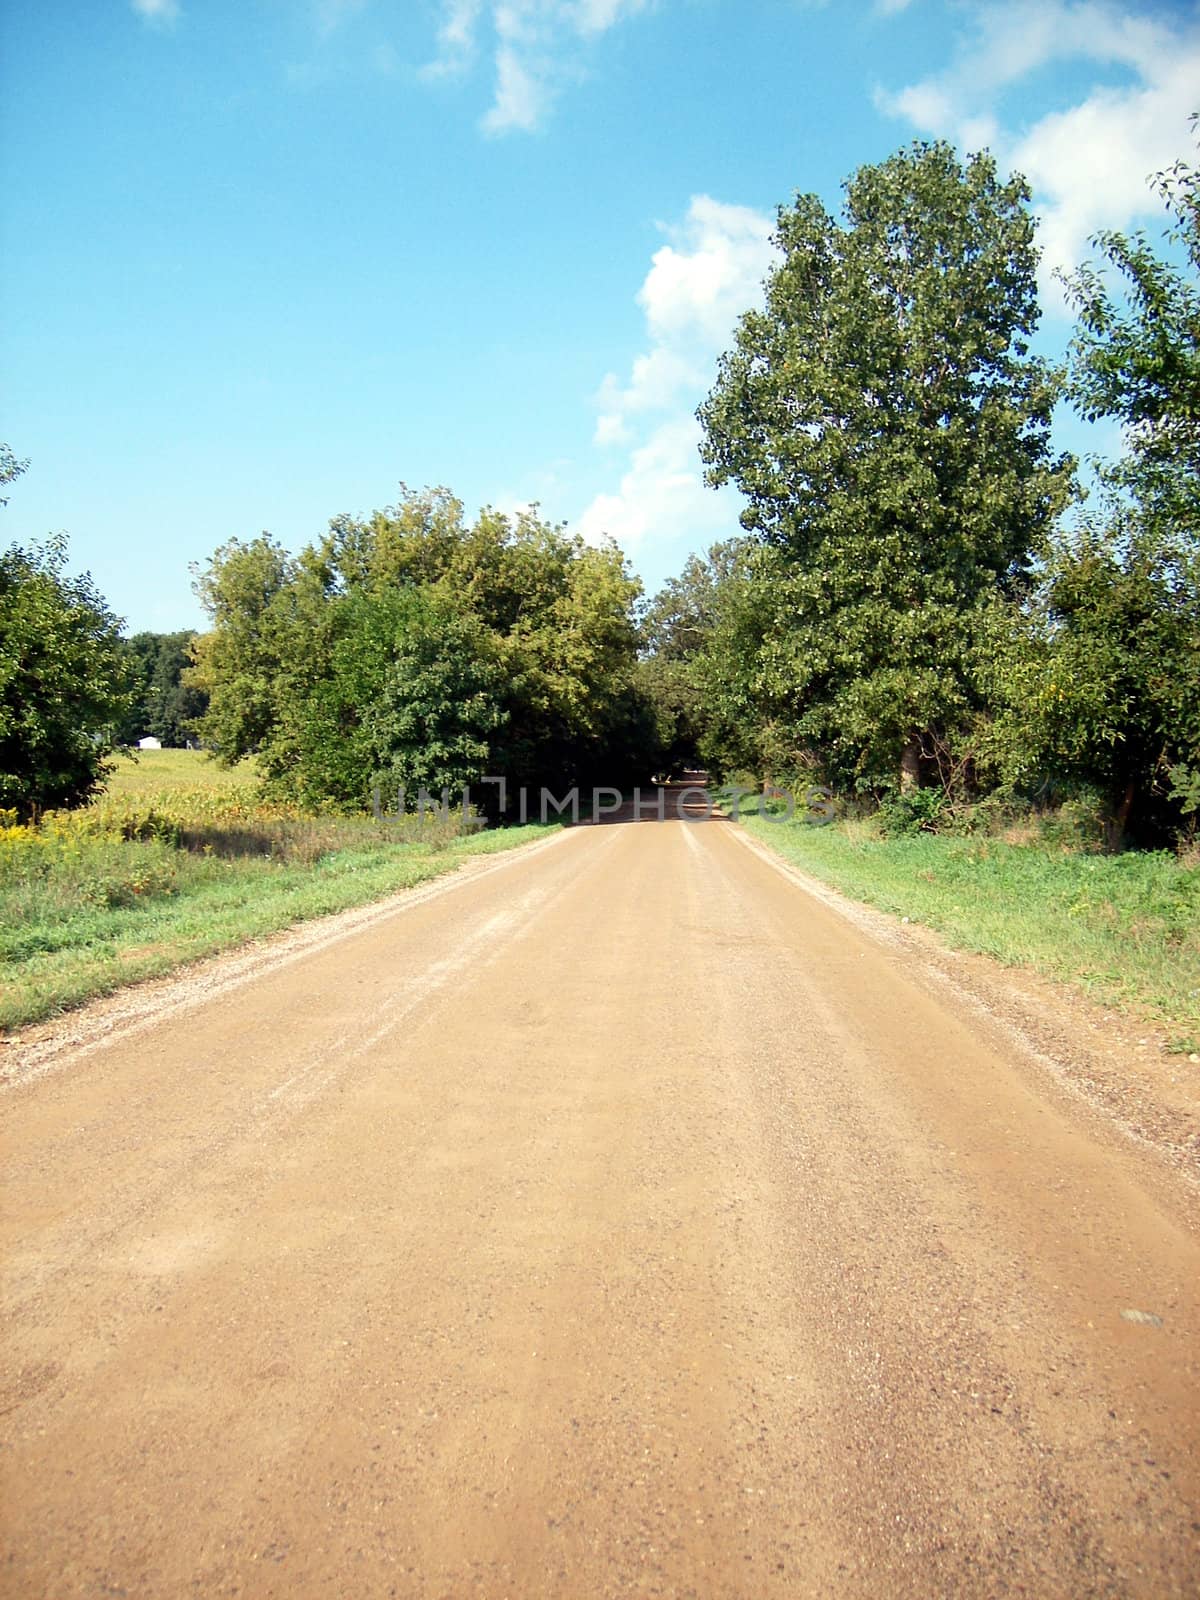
921	612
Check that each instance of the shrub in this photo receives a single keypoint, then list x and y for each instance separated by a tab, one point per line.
913	811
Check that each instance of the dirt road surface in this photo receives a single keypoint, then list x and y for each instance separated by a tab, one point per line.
616	1220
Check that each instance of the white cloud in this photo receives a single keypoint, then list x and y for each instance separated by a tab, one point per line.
1088	163
536	47
661	496
925	104
521	95
160	13
699	283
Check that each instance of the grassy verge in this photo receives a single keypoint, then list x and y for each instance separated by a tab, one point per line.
156	874
1124	928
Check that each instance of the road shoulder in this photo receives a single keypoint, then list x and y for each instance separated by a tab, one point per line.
1113	1067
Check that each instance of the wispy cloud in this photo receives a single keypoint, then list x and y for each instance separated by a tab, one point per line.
535	46
158	13
1087	163
710	270
523	94
595	16
456	38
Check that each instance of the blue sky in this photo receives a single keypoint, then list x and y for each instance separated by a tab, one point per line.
263	261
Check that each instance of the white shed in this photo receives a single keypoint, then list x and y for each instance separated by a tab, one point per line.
150	743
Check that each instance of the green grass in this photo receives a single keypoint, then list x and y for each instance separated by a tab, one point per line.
1124	928
85	910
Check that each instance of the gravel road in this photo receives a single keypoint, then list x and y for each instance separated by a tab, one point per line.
613	1219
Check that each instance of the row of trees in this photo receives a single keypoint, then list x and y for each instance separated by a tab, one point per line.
909	610
409	649
414	648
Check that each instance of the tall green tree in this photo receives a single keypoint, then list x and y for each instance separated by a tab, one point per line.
697	662
64	681
174	704
889	429
1102	687
246	588
576	713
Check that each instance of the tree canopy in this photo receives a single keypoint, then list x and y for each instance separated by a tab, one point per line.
412	648
890	431
1102	684
64	681
1136	356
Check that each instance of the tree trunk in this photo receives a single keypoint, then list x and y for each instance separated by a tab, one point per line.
1114	828
910	766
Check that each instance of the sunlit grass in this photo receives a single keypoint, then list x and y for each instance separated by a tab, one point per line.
179	859
157	771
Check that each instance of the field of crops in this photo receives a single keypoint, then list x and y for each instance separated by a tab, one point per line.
155	772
